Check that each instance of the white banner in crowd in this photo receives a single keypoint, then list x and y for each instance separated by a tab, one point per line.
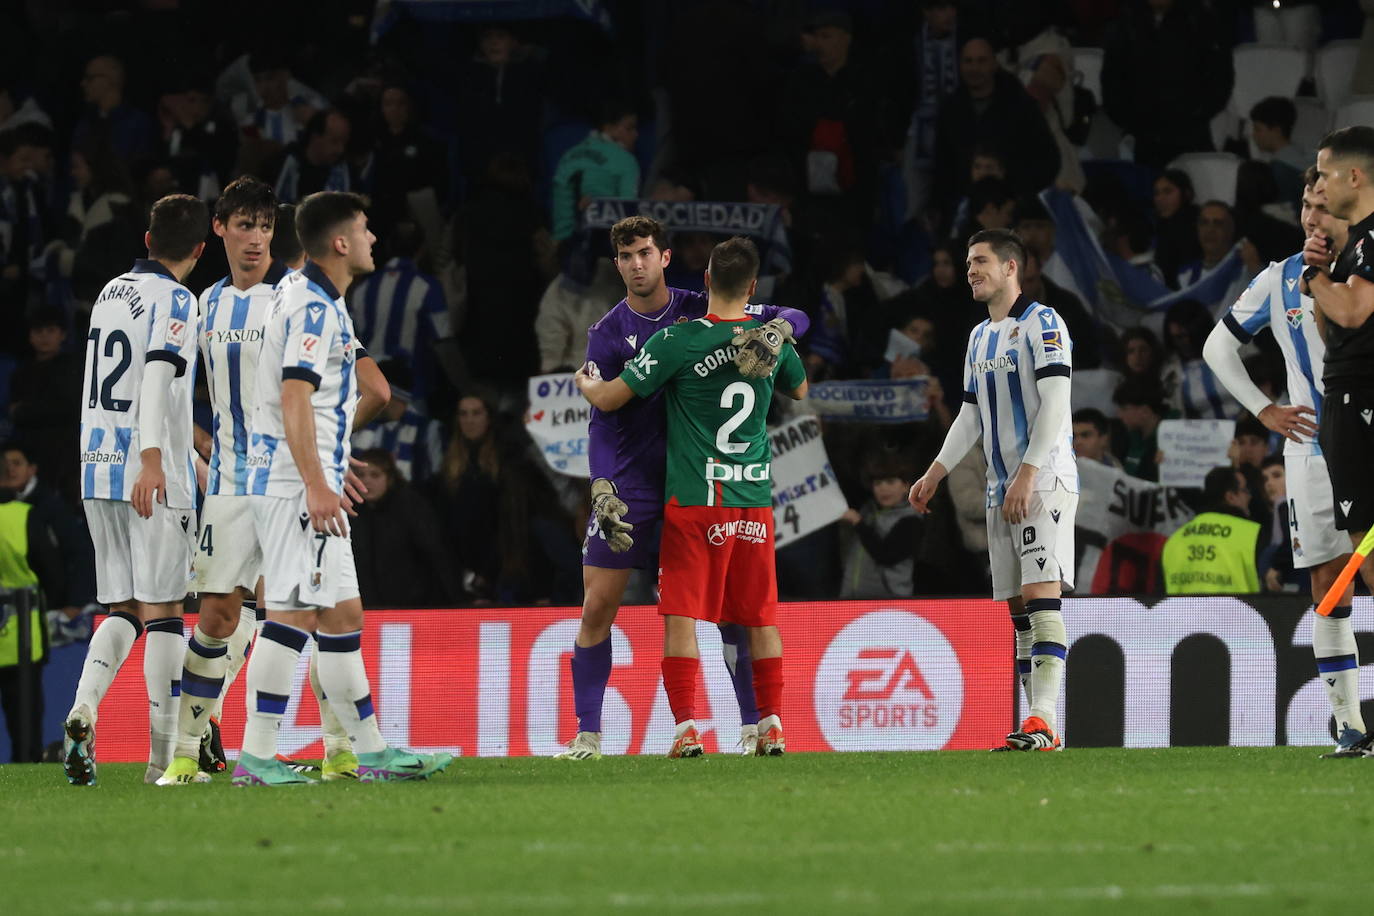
871	400
1191	448
806	496
1112	503
557	422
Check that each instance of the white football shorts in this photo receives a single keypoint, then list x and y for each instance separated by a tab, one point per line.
228	555
1312	512
140	559
302	570
1039	549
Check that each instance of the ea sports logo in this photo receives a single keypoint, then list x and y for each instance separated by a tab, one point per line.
889	681
716	534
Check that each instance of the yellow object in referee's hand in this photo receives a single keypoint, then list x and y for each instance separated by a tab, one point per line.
1333	594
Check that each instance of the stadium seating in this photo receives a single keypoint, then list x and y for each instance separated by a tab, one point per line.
1213	174
1357	109
1335	71
1265	70
1314	120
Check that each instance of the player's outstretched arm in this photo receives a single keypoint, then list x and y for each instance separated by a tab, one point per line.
374	393
1222	355
603	395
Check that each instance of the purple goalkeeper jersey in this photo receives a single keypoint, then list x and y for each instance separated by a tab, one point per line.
629	445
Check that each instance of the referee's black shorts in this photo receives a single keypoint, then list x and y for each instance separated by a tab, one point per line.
1346	435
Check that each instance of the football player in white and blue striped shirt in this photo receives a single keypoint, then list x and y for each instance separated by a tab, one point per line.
1275	301
1016	397
309	378
138	477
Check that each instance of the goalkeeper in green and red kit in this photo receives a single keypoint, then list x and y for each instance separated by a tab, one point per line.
716	555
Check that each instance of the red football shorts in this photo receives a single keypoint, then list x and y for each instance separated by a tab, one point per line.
716	563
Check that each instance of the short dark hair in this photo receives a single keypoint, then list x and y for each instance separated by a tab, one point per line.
1137	391
625	231
1249	426
1094	416
14	445
249	195
48	316
1355	141
286	245
1276	111
1218	483
1309	177
177	224
1181	180
383	461
320	120
733	266
1272	460
1007	245
612	111
319	216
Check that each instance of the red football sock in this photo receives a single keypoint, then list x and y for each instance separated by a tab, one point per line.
680	682
768	686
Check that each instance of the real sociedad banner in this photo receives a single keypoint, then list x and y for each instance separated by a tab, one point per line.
1119	290
872	400
759	221
1112	503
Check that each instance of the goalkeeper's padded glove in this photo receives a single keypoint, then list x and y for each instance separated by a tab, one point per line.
760	346
608	508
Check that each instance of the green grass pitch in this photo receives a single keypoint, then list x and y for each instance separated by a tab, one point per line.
1182	830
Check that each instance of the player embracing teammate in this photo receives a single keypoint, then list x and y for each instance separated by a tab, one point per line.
716	556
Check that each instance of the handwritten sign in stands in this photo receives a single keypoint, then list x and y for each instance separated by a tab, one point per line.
1191	448
806	496
557	422
871	400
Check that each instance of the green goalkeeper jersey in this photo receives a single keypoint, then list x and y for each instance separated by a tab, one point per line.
718	451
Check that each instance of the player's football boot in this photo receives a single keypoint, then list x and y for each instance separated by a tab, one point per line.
297	766
771	743
340	766
1351	742
393	764
1034	735
687	744
585	746
748	740
257	771
212	759
183	771
78	747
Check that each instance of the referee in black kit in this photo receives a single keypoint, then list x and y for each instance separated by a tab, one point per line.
1343	292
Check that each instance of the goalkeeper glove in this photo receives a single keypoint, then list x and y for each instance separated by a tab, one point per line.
760	346
608	508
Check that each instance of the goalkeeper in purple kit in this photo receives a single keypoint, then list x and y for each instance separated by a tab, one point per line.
627	454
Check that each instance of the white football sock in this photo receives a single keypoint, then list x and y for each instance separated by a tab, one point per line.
335	738
202	687
271	672
164	654
110	645
1048	652
1024	638
240	645
343	679
1338	664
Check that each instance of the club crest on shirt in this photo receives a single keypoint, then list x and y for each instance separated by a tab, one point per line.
1294	317
1015	333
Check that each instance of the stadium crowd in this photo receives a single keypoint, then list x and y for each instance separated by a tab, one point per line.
884	132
